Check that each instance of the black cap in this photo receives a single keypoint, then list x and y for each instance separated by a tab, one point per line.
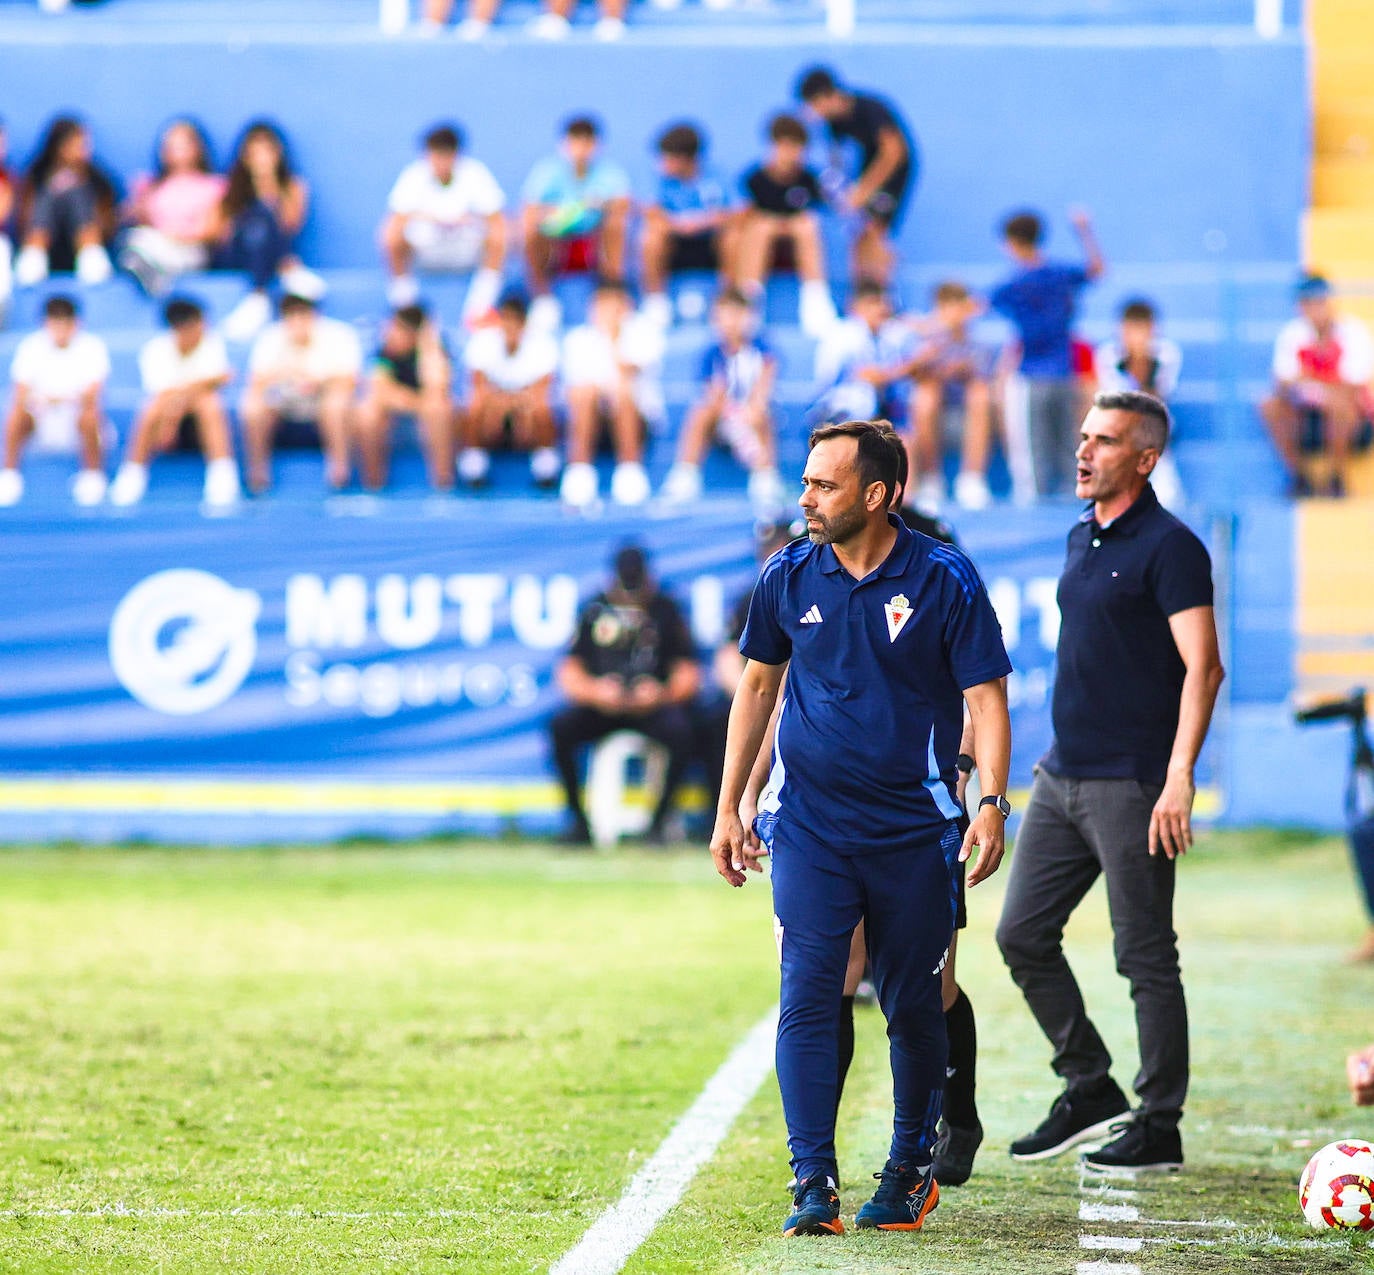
631	568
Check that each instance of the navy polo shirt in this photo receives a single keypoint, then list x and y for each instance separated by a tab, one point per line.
1119	675
873	707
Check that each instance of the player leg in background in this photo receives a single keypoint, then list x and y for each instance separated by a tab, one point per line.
570	730
817	312
1066	415
971	484
540	252
1140	898
671	727
961	1132
1340	421
629	481
655	254
436	415
682	485
19	427
853	976
611	237
757	235
533	430
89	419
1016	435
1053	868
259	420
927	481
383	400
336	429
217	446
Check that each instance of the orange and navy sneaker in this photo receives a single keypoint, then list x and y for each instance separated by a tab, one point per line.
815	1209
904	1199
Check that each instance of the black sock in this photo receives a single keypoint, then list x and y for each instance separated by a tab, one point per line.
961	1110
846	1045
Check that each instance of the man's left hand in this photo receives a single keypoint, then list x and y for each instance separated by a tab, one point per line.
1171	821
988	832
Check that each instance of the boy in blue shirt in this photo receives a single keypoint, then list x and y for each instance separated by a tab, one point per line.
1040	299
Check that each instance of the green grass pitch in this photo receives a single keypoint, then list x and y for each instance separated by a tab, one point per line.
451	1059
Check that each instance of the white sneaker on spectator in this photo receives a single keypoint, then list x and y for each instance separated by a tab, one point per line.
682	486
930	494
53	6
222	489
404	289
11	487
88	487
767	496
657	309
578	488
130	484
630	483
665	4
818	314
608	29
544	466
93	265
31	266
429	29
971	490
473	29
474	466
718	4
248	318
550	26
546	315
300	282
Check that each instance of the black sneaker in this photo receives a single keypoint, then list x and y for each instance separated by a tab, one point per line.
1143	1146
576	833
815	1209
1075	1117
954	1152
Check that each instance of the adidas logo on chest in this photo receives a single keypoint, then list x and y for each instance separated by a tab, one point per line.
812	616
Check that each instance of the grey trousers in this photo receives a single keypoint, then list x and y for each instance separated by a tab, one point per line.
1054	415
1073	830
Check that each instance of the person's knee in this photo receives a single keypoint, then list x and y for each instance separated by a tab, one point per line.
1022	943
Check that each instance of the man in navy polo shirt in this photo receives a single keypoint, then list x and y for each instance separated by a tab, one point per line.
888	633
1138	673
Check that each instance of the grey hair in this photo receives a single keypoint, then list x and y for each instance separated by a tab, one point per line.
1152	422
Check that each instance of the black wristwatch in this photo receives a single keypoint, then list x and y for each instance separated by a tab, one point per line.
1002	804
965	763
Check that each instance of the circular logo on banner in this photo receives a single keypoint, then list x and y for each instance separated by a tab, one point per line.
183	641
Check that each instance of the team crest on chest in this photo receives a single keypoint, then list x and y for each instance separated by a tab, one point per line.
898	611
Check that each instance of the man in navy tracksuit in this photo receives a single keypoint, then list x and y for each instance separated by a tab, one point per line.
885	635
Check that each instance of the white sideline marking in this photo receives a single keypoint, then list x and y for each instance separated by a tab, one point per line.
1089	1212
1107	1268
659	1185
1116	1243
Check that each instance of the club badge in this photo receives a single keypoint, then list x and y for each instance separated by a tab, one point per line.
898	613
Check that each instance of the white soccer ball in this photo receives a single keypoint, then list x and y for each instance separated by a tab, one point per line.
1336	1191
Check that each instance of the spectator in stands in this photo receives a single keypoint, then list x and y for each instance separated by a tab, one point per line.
411	375
575	215
444	213
632	666
950	367
610	378
689	225
553	24
888	164
738	374
861	363
1320	405
511	366
7	201
780	228
302	379
263	210
175	212
1138	358
68	209
59	374
1040	299
184	371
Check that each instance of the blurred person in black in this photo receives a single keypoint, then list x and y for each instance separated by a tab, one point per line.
631	667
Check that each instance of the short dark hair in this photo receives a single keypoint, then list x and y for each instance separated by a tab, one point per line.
875	461
582	126
950	290
61	306
787	128
610	283
412	316
1024	227
513	301
1138	308
444	137
294	303
816	81
869	290
682	140
1153	425
903	462
180	311
733	296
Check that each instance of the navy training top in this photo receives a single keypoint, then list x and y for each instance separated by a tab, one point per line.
1042	303
1119	676
873	709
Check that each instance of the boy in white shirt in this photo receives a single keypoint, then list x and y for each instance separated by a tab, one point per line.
302	378
511	367
184	371
444	214
59	375
610	367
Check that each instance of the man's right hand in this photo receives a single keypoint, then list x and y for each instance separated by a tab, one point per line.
734	850
610	694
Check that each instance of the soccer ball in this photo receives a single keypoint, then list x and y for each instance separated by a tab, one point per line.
1336	1190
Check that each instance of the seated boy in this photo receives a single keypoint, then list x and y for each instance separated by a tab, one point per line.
510	367
184	371
411	375
781	224
738	374
861	362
